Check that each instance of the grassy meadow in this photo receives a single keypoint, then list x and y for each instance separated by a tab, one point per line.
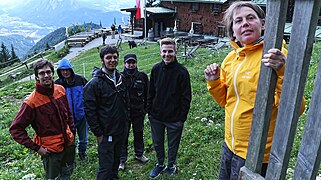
200	148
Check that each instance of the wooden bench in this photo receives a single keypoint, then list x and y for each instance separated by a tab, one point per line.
77	41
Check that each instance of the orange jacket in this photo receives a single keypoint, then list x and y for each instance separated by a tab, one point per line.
47	111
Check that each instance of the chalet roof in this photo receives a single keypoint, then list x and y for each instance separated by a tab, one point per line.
152	10
159	10
260	2
200	1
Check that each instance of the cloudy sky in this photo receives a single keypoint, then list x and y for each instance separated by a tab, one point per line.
114	4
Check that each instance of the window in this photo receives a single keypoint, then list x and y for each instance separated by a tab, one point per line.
216	9
195	7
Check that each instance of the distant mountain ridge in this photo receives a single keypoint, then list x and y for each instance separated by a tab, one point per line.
53	14
51	39
20	43
64	12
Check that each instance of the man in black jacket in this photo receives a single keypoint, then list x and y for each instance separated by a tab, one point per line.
106	100
169	102
137	85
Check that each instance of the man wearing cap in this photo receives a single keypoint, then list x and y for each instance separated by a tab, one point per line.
73	84
137	85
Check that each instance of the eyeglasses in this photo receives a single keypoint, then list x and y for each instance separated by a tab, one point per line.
43	73
110	57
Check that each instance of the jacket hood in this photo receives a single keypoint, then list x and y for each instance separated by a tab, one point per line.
64	64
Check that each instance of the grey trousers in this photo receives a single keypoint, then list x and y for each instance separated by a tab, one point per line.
231	165
174	134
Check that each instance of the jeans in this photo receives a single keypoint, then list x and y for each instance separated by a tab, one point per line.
138	131
82	131
109	157
231	165
174	134
60	165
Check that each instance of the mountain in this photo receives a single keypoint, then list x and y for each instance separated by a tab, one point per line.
51	39
20	43
34	19
65	12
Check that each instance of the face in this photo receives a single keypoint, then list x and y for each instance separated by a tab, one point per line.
247	26
130	64
168	53
66	73
45	76
110	62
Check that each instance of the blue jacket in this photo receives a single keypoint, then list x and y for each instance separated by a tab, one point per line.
74	90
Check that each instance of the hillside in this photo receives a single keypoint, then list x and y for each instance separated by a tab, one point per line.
51	39
200	148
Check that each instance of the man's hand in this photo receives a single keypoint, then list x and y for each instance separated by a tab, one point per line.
43	152
100	139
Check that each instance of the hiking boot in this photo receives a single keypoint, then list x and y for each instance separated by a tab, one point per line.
170	170
142	159
82	156
121	166
157	171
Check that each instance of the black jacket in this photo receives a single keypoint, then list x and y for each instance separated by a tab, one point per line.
137	85
106	104
169	92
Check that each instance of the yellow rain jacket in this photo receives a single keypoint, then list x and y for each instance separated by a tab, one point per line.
236	91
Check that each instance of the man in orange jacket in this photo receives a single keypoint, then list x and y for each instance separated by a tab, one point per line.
46	109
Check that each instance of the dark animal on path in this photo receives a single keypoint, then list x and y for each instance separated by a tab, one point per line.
132	44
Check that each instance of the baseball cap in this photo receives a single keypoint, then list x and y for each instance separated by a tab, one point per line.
130	57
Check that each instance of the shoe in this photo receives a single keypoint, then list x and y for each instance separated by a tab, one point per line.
82	156
142	159
170	170
157	171
121	166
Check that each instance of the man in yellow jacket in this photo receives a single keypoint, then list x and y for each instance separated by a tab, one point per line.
234	84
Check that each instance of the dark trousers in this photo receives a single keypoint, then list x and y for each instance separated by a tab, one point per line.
82	131
109	157
174	134
60	165
138	131
231	165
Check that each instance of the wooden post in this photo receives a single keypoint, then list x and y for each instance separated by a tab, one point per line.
300	49
275	22
308	161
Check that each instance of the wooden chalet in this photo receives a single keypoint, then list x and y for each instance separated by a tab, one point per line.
204	15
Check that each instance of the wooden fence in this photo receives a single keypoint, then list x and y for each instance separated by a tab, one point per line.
299	53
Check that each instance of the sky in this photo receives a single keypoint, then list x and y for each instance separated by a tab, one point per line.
5	3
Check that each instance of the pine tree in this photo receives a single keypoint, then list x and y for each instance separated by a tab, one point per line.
47	46
14	57
4	53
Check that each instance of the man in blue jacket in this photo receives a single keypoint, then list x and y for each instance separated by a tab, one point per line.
73	84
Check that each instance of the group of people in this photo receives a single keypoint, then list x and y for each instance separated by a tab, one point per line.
109	104
113	30
112	101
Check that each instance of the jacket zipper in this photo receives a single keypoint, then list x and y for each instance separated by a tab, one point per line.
236	104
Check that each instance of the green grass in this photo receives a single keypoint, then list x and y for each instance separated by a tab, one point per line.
200	148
